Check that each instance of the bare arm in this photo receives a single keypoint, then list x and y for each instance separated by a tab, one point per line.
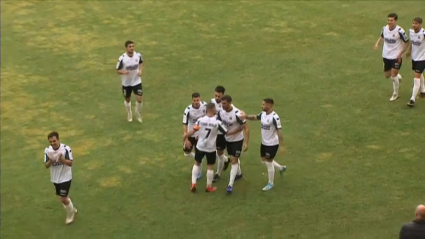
405	48
122	72
62	160
251	117
184	129
48	163
246	134
378	42
140	68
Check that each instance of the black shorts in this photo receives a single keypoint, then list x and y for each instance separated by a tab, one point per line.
62	189
391	64
220	142
234	148
268	152
418	66
193	141
199	155
136	89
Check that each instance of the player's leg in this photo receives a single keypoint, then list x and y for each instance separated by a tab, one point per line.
422	85
211	158
138	91
126	90
188	150
418	68
234	150
273	152
199	155
223	161
62	191
395	77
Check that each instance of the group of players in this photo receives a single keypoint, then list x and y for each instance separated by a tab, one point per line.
210	128
396	45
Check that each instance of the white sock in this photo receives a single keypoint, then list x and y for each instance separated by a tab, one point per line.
416	86
200	167
422	84
399	76
195	171
190	155
210	176
270	170
69	208
239	167
127	106
278	166
220	164
233	173
138	107
396	84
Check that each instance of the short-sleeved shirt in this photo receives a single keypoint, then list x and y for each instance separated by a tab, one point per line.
192	114
59	172
393	41
208	128
131	64
232	120
417	40
270	124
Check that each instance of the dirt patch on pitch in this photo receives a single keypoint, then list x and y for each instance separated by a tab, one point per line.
110	182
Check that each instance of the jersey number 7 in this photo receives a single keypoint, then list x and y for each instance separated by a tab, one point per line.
209	131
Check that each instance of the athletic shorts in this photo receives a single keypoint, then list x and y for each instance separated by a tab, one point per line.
62	189
391	64
220	142
418	66
234	148
268	152
193	141
199	155
136	89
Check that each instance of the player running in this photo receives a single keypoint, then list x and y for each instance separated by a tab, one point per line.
395	44
271	136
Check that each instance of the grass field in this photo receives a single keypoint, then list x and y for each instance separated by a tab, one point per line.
355	160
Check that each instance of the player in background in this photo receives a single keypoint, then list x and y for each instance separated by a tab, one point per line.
237	141
207	128
395	44
417	52
191	114
58	157
130	67
271	138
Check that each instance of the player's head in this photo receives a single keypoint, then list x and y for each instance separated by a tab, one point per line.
219	92
226	102
392	19
268	104
129	46
420	212
196	100
211	109
53	138
417	23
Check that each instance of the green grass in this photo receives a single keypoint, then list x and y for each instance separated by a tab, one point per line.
355	160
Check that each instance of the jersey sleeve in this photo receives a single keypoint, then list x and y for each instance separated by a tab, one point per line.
221	127
259	116
46	157
382	32
68	153
403	35
276	121
186	116
238	115
140	58
120	63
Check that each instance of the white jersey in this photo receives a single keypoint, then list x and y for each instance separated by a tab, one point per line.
393	41
218	107
131	64
208	128
59	173
191	115
270	124
232	120
418	44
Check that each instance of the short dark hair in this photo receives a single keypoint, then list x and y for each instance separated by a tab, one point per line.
227	98
196	95
269	101
220	89
210	106
128	43
393	15
418	20
53	134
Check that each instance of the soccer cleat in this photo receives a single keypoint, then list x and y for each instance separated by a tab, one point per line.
130	116
229	189
71	217
238	177
216	178
422	94
268	187
139	117
193	188
210	189
411	103
199	176
282	170
394	97
226	165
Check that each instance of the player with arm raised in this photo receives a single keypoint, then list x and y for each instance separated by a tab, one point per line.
58	157
235	142
417	51
130	67
191	114
395	44
271	138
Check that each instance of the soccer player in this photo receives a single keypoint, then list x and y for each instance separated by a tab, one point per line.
395	43
271	136
207	128
230	116
130	67
417	38
191	114
58	157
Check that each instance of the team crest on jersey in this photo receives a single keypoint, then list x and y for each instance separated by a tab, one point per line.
230	118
